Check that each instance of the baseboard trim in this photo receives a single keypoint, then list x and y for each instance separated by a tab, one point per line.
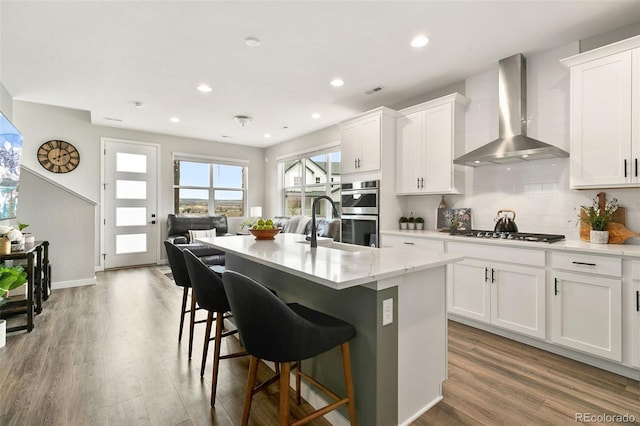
75	283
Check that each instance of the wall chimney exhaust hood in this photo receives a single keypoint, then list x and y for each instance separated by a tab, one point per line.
513	145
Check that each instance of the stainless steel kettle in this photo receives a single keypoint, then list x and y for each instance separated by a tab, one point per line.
504	222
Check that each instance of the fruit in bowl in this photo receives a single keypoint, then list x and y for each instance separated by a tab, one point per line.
264	230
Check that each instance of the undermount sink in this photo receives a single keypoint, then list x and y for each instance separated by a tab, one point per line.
329	243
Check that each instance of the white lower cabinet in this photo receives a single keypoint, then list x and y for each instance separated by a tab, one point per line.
586	306
510	296
635	324
412	241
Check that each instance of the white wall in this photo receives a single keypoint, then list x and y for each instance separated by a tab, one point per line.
40	123
538	190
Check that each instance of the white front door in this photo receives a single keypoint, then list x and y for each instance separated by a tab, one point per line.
130	225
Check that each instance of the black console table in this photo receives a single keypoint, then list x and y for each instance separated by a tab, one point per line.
38	283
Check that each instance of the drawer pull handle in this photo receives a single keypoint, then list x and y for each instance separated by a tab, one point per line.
408	243
493	278
486	274
555	286
583	263
625	167
638	300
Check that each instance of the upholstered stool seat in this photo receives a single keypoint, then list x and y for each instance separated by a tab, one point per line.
283	333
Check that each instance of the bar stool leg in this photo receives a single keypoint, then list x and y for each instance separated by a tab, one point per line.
251	382
284	393
348	381
185	293
192	322
207	338
298	382
216	355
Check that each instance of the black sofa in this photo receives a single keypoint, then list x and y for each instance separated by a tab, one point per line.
178	226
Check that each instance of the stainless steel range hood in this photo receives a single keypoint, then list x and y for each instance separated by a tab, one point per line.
513	145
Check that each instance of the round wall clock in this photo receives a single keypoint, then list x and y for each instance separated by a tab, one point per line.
58	156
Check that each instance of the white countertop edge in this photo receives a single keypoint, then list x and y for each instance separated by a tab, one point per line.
627	250
441	260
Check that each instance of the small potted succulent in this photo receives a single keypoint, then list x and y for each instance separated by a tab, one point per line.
403	222
412	222
419	223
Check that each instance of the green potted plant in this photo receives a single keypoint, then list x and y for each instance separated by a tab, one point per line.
28	237
419	223
411	224
598	218
11	277
403	222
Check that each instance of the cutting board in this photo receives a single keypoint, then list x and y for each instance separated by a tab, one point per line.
618	232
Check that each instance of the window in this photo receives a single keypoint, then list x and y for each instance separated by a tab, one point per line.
307	177
208	186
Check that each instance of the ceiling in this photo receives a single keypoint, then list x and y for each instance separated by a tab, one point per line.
105	56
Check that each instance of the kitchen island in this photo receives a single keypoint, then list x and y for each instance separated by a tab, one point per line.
399	353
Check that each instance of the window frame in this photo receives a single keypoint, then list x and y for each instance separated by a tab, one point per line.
212	162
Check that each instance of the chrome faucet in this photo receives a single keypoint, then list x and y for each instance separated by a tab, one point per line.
313	237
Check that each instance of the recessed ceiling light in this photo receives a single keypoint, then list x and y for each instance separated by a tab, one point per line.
138	105
477	162
315	115
525	155
419	41
337	82
204	88
267	135
252	42
174	120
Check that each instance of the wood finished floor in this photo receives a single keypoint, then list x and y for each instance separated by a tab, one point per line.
108	355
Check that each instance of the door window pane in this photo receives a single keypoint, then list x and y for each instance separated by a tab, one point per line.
229	202
192	174
193	201
131	216
134	163
131	243
131	189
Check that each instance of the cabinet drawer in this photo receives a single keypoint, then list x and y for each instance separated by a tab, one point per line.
579	262
401	241
498	253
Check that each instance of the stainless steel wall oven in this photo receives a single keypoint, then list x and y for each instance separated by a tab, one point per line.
360	210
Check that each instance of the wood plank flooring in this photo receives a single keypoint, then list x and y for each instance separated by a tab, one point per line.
108	355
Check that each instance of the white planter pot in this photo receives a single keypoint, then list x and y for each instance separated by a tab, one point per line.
599	237
411	225
3	333
403	225
419	226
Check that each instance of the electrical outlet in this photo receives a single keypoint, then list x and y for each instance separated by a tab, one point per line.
387	311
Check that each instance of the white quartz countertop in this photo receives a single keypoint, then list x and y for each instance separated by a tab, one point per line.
629	250
334	265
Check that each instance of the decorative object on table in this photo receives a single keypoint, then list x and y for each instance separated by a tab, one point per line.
411	223
505	222
453	220
28	237
419	223
403	222
58	156
443	203
10	237
597	217
255	213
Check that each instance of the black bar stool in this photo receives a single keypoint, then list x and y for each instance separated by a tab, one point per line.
284	333
210	295
181	278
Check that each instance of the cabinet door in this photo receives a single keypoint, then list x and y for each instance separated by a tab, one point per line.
518	298
601	122
438	148
468	290
349	146
369	150
635	314
586	313
409	153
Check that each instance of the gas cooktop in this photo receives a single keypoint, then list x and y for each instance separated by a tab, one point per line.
516	236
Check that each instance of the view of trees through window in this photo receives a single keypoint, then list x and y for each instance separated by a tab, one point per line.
307	178
207	187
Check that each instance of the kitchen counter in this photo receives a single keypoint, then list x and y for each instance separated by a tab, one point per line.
627	250
395	298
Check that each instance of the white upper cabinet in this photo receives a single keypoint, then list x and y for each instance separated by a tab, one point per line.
605	116
361	139
428	137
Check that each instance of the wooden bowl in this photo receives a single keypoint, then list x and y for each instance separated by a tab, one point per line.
264	234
